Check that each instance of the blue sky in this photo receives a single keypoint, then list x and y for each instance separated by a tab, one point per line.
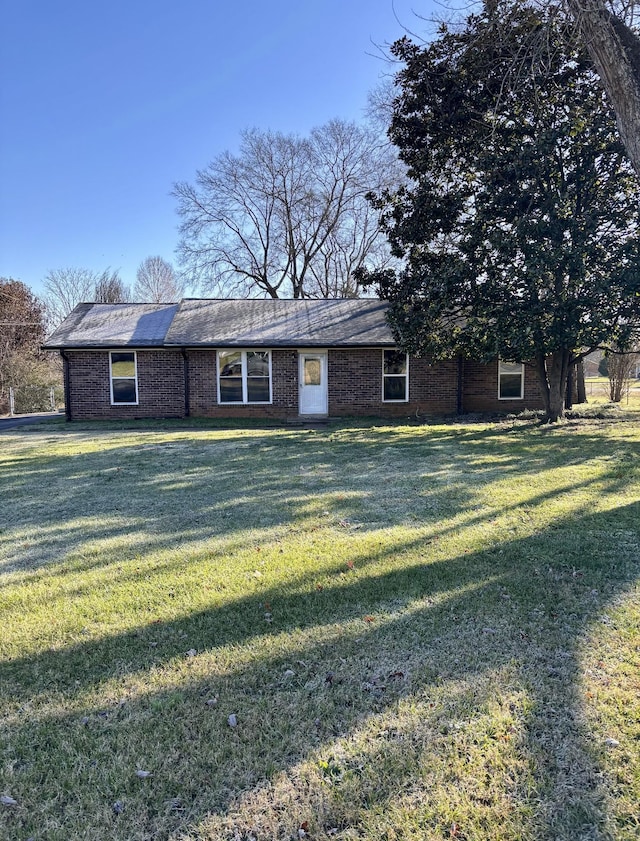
105	104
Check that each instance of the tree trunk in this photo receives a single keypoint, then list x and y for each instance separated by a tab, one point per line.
581	386
568	398
553	372
556	400
615	52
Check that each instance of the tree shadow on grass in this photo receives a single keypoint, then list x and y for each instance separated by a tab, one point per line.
92	508
444	694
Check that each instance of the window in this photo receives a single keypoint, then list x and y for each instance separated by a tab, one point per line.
244	376
124	378
312	371
395	376
510	380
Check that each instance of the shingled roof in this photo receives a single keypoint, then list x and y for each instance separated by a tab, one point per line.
113	325
226	323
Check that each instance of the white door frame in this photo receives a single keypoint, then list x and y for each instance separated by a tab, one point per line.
313	399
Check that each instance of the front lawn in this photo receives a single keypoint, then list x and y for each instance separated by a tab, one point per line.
358	632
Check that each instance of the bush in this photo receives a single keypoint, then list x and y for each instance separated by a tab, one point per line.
32	398
621	368
32	379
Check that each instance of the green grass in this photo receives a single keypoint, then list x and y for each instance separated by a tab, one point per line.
423	631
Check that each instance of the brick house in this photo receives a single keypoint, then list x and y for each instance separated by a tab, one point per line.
281	359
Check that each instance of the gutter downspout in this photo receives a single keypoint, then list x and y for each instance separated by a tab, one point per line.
67	385
187	404
460	391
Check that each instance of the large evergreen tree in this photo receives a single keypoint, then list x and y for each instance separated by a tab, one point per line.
518	228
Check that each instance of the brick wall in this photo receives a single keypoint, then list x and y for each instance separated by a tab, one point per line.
480	392
355	386
203	388
160	386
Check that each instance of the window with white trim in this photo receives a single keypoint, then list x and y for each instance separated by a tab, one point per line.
510	380
244	376
124	378
395	376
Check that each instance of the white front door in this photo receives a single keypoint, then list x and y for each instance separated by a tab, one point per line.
313	383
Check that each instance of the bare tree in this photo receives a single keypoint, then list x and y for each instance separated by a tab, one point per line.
287	216
348	247
157	282
621	368
64	288
110	289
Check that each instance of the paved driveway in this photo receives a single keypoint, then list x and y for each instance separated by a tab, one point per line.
24	420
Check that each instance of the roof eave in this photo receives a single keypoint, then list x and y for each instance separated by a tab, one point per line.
307	343
104	346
